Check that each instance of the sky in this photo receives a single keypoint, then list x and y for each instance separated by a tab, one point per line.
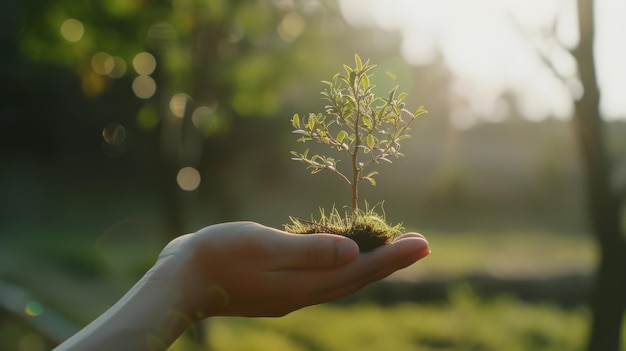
493	46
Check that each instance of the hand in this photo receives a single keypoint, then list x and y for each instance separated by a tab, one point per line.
238	269
246	269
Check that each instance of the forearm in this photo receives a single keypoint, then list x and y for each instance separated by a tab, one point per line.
150	316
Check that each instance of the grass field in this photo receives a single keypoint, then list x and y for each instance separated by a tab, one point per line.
466	322
81	279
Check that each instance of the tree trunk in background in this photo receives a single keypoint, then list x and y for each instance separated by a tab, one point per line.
609	293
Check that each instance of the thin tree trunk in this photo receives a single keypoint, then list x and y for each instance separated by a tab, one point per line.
609	294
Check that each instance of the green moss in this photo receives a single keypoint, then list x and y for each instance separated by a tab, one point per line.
368	229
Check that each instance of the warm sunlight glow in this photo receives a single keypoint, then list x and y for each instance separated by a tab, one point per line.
498	46
72	30
291	27
188	178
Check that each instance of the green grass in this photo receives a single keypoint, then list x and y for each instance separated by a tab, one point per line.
466	322
522	254
79	276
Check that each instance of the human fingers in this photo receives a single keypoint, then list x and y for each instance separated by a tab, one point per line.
368	268
312	251
410	235
275	249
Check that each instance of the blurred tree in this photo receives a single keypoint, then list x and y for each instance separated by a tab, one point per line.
605	197
609	298
198	70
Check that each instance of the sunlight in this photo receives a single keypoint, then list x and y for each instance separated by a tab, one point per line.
291	27
493	47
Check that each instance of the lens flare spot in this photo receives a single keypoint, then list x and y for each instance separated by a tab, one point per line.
144	63
114	134
72	30
202	115
33	309
144	87
178	104
188	178
98	62
291	26
115	67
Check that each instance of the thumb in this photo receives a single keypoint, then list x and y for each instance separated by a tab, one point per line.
314	251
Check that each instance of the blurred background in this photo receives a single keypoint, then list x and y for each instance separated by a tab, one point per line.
127	123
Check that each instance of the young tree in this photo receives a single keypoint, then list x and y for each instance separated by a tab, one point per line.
367	130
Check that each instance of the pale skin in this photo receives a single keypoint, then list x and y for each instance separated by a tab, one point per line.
239	269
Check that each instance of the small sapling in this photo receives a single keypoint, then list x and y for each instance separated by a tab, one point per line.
367	130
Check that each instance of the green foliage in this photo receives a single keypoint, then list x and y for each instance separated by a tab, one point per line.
366	128
224	54
465	322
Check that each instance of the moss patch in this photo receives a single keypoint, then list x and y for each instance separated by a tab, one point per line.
368	229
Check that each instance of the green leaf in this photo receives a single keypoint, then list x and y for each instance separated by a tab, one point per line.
310	123
371	180
348	69
352	78
420	110
303	139
371	141
341	135
392	93
367	121
296	121
357	60
366	81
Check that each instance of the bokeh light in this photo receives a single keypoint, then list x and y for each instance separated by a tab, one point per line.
144	87
201	116
114	134
31	342
98	62
148	117
188	178
144	63
115	66
178	104
162	36
291	26
33	308
72	30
